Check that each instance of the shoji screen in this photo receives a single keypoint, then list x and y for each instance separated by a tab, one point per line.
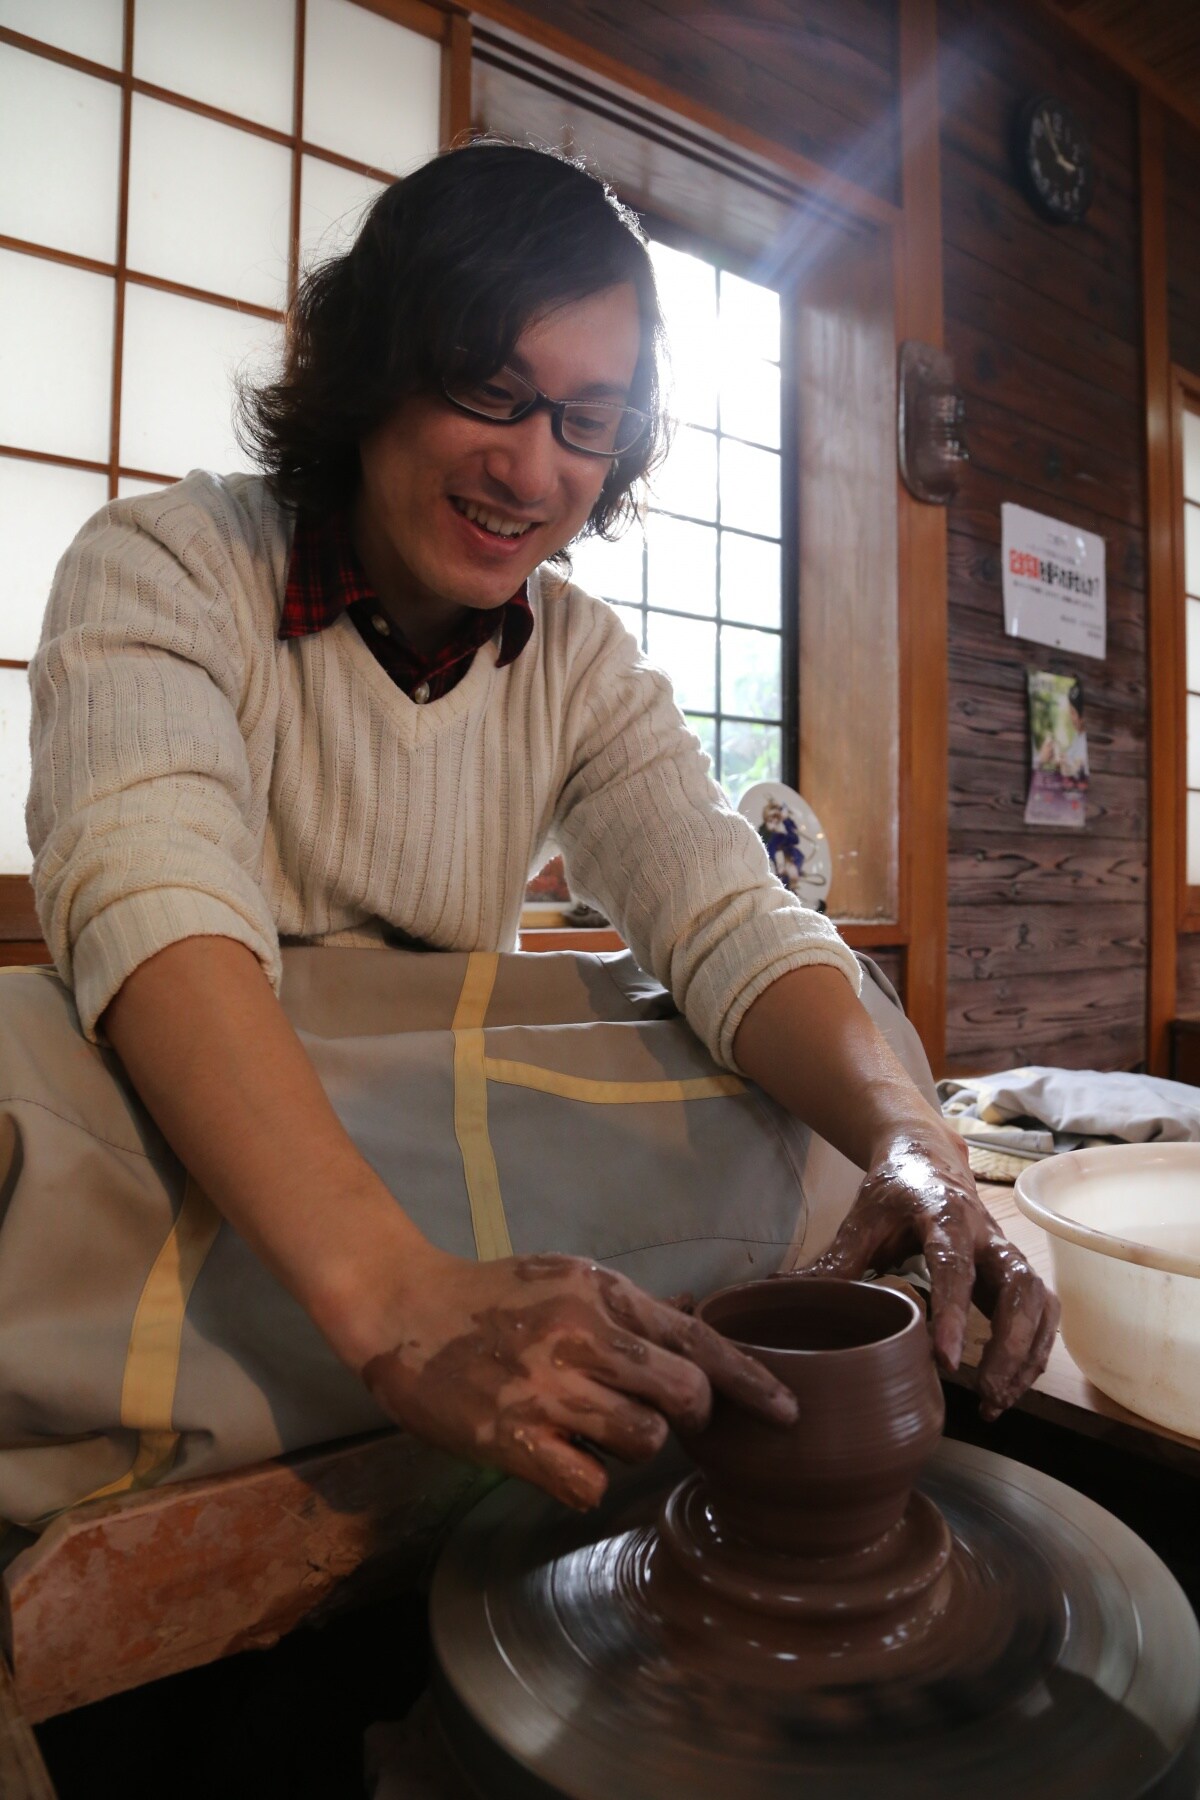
166	168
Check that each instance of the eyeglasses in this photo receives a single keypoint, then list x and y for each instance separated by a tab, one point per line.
593	427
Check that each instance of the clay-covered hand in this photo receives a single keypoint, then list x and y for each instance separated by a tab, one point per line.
919	1197
512	1363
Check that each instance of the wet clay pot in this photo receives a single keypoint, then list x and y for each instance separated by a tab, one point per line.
857	1357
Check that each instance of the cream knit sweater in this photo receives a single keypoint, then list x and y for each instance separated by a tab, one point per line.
195	776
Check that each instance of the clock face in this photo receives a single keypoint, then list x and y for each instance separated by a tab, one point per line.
1054	160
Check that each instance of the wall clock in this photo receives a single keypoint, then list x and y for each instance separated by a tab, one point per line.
1053	159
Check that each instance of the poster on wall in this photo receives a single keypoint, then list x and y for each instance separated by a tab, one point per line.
1058	751
1054	589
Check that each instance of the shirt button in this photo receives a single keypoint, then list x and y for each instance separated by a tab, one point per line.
421	692
381	625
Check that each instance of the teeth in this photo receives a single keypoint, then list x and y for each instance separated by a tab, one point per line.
491	521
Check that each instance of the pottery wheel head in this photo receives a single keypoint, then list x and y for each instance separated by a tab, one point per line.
1051	1655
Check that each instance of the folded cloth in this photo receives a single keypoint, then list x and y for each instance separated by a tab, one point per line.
1083	1103
1014	1138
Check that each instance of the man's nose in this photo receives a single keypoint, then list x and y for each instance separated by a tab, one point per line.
524	458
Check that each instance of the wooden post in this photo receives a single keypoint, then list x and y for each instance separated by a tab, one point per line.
1165	672
923	589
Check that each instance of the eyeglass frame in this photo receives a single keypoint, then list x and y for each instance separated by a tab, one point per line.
557	410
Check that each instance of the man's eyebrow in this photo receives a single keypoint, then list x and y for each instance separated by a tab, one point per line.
594	390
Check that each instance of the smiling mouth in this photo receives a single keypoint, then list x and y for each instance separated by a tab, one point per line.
493	522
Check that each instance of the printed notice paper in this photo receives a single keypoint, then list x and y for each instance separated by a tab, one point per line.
1053	582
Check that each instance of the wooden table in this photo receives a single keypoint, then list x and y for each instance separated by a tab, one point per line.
1063	1395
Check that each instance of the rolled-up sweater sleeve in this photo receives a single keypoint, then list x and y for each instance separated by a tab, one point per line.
139	808
650	839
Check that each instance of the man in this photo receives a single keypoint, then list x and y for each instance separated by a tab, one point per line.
295	706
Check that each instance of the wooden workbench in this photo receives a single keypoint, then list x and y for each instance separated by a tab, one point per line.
1063	1395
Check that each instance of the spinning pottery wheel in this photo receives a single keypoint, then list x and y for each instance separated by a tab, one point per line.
998	1635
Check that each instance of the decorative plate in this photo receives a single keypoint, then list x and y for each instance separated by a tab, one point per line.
794	837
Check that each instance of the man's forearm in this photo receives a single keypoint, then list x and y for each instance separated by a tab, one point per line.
210	1051
810	1044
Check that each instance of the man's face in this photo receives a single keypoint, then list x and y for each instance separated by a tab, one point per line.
457	511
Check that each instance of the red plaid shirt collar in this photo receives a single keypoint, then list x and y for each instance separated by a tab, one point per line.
326	579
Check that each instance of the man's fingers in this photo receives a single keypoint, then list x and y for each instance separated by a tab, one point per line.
677	1387
848	1257
742	1378
1003	1377
541	1454
1024	1315
613	1422
950	1258
729	1370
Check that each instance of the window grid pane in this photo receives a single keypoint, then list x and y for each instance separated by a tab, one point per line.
700	585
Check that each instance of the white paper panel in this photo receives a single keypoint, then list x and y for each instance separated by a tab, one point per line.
235	54
1193	840
332	203
60	150
1193	740
208	204
41	509
15	855
177	392
1193	645
372	89
56	339
1191	547
1191	455
91	28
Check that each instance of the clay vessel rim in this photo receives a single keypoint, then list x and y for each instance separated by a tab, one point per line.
915	1321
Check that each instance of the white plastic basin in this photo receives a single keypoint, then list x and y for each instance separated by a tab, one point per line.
1124	1228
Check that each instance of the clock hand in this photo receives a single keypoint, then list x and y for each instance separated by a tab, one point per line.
1070	167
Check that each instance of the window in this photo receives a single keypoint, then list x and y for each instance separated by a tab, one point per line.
700	586
158	193
699	579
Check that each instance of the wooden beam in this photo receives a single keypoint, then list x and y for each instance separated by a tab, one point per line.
923	585
1114	51
456	79
821	183
1164	664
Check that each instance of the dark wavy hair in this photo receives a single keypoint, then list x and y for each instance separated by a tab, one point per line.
449	267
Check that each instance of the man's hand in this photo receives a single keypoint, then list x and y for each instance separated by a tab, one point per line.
919	1197
512	1363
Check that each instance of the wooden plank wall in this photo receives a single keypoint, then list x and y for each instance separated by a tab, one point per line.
1047	929
820	77
1183	302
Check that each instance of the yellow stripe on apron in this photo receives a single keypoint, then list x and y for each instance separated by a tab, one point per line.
610	1093
152	1358
471	1106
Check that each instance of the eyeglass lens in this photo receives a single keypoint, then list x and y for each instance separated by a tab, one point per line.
588	425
